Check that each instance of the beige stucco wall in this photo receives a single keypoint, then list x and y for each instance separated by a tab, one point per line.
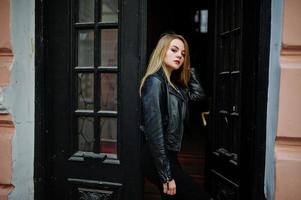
7	128
288	140
291	23
289	121
5	41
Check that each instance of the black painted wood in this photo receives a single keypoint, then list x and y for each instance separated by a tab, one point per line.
56	165
40	145
52	147
240	175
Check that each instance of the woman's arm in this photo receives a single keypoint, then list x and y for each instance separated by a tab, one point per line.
152	105
195	89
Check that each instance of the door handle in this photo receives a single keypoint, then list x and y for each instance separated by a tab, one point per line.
225	154
204	118
89	156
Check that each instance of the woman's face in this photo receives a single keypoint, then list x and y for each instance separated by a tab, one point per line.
174	57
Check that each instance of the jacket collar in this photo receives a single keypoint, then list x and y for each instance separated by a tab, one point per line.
172	90
175	92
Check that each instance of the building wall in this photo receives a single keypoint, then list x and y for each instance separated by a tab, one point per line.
283	178
7	128
17	99
288	139
273	96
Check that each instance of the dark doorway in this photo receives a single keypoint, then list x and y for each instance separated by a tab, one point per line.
185	19
63	172
232	62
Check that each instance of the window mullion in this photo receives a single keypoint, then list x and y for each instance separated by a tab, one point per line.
96	78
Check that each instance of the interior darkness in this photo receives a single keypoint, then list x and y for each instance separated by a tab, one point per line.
176	16
164	16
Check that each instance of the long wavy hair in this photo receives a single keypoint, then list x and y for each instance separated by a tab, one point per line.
180	76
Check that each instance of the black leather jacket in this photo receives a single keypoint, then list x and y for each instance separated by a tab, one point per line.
164	110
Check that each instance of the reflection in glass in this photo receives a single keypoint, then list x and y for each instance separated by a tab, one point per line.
108	131
86	11
85	91
109	11
237	9
85	51
226	50
236	134
237	52
226	17
108	94
85	130
236	95
109	47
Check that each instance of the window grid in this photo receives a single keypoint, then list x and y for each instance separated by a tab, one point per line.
228	75
97	114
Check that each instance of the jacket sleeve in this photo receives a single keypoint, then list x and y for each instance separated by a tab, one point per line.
152	105
195	89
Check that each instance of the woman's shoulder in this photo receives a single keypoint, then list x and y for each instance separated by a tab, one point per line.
157	78
153	80
154	83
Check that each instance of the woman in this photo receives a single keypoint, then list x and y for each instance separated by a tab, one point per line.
165	90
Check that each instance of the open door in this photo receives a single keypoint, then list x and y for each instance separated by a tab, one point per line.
226	107
235	156
90	56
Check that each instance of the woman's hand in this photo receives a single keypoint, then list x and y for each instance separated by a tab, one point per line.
169	187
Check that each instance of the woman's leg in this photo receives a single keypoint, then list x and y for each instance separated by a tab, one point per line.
186	188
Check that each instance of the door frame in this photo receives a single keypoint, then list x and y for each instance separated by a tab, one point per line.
257	37
40	151
259	62
42	148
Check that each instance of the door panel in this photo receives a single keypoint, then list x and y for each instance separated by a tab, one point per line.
236	141
226	109
91	73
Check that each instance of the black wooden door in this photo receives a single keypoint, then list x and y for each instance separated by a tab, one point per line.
92	63
235	147
226	119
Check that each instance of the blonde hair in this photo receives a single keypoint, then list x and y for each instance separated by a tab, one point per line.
157	60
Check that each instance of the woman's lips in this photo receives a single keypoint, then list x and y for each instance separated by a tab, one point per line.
177	62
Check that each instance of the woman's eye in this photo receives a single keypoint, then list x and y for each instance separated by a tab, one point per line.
174	50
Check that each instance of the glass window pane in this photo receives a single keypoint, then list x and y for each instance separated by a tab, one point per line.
85	130
237	52
236	133
86	11
85	53
109	11
85	91
224	132
226	17
108	131
108	94
223	96
109	47
237	14
236	95
225	53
